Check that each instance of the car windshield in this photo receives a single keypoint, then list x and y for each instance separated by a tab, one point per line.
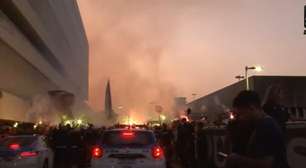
128	138
21	141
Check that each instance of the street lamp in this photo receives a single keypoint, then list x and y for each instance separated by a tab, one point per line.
15	124
256	68
239	77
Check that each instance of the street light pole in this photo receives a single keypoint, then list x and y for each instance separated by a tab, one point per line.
256	68
247	78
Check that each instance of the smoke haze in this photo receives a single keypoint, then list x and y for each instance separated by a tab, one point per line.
153	50
128	45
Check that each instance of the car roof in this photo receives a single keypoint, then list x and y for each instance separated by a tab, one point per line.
24	136
128	129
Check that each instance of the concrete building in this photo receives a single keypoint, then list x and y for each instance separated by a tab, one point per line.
43	47
215	105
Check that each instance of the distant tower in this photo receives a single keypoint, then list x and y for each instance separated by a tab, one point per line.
108	102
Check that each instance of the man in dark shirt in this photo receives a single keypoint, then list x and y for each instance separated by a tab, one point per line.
265	147
268	141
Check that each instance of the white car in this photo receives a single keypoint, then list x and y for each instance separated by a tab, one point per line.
128	148
25	151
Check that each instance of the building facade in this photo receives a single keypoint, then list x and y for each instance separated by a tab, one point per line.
43	47
217	104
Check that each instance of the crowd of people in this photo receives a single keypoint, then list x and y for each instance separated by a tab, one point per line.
256	137
183	143
72	145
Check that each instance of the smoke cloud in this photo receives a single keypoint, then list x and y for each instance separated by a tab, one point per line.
128	45
153	50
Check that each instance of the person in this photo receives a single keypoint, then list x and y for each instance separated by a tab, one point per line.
167	143
266	146
185	143
90	138
237	136
200	145
62	147
274	108
5	132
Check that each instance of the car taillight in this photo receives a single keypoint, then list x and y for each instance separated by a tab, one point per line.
157	152
14	146
97	152
29	154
